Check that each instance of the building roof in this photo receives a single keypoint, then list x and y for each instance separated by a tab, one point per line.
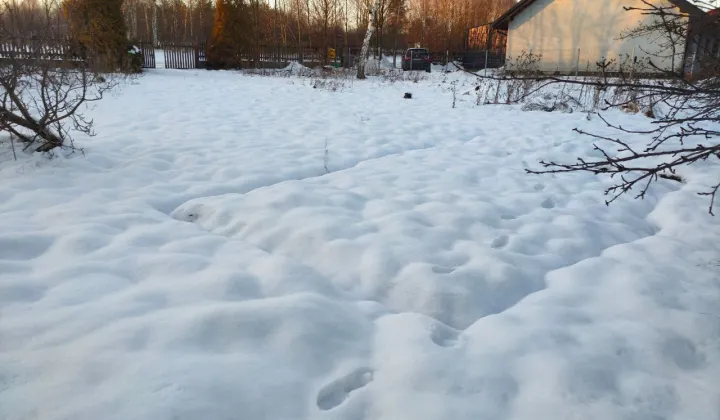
504	20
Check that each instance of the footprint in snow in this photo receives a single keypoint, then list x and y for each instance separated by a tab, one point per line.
683	353
442	270
185	214
444	336
500	242
191	217
548	203
336	392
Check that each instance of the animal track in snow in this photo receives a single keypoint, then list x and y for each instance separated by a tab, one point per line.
336	392
500	242
442	270
682	352
548	203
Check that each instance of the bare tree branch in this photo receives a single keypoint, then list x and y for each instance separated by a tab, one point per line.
44	83
685	133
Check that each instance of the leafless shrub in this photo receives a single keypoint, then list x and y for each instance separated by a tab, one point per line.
326	157
45	85
684	133
454	92
481	91
324	78
332	85
526	64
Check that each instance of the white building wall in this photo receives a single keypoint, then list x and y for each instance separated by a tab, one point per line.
576	34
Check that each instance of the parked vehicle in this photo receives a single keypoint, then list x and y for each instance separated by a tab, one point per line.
416	59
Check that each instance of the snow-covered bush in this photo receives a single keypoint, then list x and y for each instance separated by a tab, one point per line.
134	59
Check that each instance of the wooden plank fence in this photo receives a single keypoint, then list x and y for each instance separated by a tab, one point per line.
180	56
39	49
148	53
278	57
193	56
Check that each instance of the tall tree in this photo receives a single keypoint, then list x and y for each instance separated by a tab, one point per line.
366	42
99	26
230	35
325	17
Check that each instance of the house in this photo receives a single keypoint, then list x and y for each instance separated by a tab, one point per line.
574	35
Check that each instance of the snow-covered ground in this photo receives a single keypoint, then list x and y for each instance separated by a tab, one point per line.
237	247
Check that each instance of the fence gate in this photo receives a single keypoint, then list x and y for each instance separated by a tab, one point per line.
181	56
148	53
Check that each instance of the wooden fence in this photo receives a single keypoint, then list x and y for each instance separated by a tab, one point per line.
148	52
278	57
180	56
193	56
40	49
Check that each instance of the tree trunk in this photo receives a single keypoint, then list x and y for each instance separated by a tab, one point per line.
148	27
190	19
395	51
155	23
133	21
366	42
299	24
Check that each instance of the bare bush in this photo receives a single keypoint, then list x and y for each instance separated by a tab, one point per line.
332	85
454	92
686	133
526	64
682	99
45	85
396	75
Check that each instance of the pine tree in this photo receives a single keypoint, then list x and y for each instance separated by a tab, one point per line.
230	36
99	27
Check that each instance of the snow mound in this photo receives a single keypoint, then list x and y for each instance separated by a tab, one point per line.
296	68
375	65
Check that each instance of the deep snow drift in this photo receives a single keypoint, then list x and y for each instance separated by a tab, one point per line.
236	247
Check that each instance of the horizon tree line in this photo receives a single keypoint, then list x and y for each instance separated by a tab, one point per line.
439	25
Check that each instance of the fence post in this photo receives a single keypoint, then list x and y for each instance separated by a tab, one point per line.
487	53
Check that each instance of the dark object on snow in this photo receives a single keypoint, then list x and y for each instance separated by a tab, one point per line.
408	95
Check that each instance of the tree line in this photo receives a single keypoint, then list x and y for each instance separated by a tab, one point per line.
439	25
